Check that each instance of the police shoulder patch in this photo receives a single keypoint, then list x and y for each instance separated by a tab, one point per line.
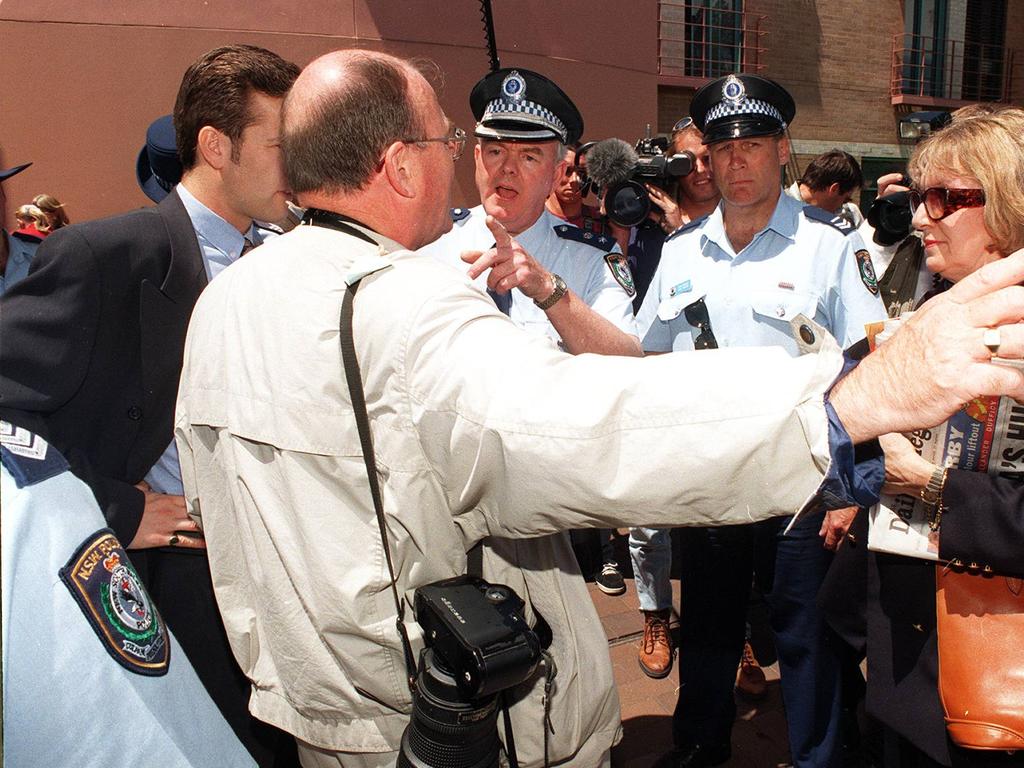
106	587
620	271
572	232
814	213
867	271
28	457
459	214
687	227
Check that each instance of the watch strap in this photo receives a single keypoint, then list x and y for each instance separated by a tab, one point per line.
557	293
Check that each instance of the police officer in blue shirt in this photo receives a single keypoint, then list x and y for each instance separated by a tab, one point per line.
572	285
92	676
737	278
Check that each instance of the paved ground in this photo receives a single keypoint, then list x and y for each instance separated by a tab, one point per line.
759	736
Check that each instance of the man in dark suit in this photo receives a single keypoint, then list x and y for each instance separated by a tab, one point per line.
93	340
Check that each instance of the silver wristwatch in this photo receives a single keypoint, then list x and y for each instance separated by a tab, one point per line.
556	294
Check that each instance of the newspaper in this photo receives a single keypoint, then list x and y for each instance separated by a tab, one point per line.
985	435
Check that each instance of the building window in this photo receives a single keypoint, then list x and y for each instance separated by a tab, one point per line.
714	37
952	50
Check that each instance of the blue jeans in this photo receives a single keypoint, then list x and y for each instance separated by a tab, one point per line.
650	550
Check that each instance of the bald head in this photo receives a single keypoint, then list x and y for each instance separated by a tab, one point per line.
344	110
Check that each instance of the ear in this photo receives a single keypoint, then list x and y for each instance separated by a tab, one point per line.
560	167
834	189
213	147
399	169
783	150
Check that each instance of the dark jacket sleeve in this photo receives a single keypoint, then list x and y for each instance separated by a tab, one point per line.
983	521
48	329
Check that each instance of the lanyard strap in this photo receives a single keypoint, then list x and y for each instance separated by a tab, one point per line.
355	389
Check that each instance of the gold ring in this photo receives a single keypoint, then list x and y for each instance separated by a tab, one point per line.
174	540
990	338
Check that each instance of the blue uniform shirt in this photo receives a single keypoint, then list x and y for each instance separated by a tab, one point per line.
578	257
20	253
221	245
801	262
91	676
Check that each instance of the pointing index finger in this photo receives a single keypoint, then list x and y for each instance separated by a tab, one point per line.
502	239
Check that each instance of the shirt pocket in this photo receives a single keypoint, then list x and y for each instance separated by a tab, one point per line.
670	312
782	306
671	308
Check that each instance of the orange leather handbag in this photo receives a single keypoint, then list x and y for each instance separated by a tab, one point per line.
980	628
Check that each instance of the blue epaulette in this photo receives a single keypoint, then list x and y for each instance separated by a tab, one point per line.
687	227
28	457
570	232
458	214
814	213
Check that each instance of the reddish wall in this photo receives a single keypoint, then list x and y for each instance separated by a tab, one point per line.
107	69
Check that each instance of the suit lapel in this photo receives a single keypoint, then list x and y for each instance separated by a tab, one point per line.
164	312
186	276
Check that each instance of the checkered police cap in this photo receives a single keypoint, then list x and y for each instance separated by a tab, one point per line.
741	105
520	105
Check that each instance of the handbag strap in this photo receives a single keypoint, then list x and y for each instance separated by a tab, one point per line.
355	389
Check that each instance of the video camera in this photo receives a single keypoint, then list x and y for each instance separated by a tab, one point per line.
477	644
619	173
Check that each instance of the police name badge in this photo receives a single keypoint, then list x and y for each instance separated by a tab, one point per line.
106	587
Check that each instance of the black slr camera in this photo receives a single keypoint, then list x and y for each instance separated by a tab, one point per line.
891	216
477	645
619	173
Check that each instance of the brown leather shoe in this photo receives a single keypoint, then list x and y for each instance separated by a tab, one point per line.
750	679
656	648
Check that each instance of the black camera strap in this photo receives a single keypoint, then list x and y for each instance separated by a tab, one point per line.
355	389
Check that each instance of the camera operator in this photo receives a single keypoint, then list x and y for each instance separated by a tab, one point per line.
897	253
480	430
566	199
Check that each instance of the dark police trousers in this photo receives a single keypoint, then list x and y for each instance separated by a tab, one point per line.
716	579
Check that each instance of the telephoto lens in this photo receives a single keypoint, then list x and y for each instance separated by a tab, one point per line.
446	731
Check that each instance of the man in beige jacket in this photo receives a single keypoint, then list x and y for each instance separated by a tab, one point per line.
479	430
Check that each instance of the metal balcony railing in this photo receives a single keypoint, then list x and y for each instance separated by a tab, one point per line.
697	44
945	72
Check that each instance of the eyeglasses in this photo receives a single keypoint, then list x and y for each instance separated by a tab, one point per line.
939	202
456	142
696	314
682	124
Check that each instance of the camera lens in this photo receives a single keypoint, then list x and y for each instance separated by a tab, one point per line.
627	204
447	731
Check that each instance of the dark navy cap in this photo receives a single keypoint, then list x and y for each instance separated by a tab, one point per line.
520	105
741	105
6	173
158	168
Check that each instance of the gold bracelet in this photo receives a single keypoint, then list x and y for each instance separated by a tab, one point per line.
931	495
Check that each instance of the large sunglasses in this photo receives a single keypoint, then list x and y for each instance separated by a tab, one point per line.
939	202
696	314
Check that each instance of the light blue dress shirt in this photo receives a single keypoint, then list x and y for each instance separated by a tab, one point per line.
20	253
582	266
221	245
795	265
